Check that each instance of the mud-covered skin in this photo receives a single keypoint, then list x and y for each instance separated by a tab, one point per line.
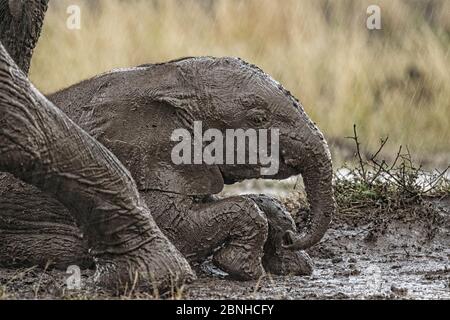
41	146
243	233
277	259
233	230
31	217
133	112
36	229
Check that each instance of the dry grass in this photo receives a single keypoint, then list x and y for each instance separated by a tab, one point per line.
392	82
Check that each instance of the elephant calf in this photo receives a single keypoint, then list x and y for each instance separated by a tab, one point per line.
134	112
80	205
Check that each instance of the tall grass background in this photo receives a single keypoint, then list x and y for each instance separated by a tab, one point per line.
392	82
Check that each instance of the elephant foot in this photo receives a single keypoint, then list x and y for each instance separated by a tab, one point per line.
157	266
233	230
287	262
241	255
238	262
278	260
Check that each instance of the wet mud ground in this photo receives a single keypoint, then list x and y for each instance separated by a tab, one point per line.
401	256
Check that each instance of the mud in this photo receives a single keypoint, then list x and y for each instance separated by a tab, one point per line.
401	256
405	256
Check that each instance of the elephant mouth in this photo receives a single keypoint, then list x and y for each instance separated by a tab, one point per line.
226	178
288	238
288	167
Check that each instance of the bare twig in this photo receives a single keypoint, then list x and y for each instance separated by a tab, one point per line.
358	153
382	144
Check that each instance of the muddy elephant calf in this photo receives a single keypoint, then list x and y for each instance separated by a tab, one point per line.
134	113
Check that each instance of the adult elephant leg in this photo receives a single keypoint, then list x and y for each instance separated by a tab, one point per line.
40	145
234	230
36	229
20	26
277	259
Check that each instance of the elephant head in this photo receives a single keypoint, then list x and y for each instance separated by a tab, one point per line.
20	26
237	95
135	112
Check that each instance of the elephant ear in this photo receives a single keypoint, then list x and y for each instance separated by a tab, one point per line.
139	134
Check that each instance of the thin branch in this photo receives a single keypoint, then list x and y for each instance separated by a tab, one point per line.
358	153
383	143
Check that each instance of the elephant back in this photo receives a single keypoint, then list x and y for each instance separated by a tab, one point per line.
136	123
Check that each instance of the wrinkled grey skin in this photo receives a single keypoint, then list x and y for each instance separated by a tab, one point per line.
223	93
276	259
41	146
20	25
133	113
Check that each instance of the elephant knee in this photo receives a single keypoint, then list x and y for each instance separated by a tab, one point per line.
251	222
241	256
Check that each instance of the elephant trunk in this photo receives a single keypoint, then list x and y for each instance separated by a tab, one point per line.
316	170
